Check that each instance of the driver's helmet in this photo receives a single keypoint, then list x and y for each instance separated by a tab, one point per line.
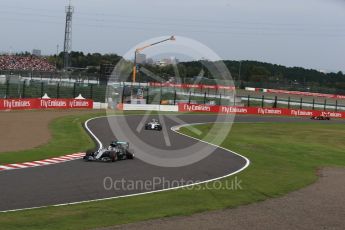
114	144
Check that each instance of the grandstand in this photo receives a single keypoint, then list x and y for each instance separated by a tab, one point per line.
25	63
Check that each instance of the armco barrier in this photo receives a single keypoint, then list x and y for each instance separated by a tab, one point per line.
38	103
191	86
151	107
183	107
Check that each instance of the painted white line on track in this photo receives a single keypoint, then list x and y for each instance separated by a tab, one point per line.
174	128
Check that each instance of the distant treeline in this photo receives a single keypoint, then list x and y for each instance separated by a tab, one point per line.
251	71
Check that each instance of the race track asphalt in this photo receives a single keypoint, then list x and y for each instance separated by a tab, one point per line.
78	180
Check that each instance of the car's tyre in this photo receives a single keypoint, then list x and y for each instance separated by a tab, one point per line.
114	157
129	155
89	152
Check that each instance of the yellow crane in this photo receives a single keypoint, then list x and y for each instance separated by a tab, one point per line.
138	50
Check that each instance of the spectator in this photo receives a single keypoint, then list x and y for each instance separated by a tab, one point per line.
30	63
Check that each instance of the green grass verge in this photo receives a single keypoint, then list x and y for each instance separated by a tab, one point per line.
284	157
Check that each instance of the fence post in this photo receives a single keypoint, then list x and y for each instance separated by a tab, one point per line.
248	102
275	105
147	95
220	99
23	92
313	103
7	88
42	88
324	106
91	92
58	90
301	103
74	89
190	95
289	103
336	106
123	94
161	95
175	97
263	101
205	98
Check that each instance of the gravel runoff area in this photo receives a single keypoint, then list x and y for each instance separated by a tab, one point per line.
22	130
318	206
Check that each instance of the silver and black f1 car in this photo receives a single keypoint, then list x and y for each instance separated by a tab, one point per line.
117	150
320	118
153	125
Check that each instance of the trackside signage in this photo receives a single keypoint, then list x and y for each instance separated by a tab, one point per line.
17	104
184	107
66	104
37	103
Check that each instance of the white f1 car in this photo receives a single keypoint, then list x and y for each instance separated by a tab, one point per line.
153	125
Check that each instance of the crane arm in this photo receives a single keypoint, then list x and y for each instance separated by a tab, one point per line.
172	38
138	50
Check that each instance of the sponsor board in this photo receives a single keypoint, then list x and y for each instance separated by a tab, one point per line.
198	108
232	109
269	111
302	113
17	104
184	107
38	103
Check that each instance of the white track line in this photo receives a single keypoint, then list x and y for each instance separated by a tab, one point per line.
174	128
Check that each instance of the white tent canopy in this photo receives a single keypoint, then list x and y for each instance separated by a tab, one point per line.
45	96
80	97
